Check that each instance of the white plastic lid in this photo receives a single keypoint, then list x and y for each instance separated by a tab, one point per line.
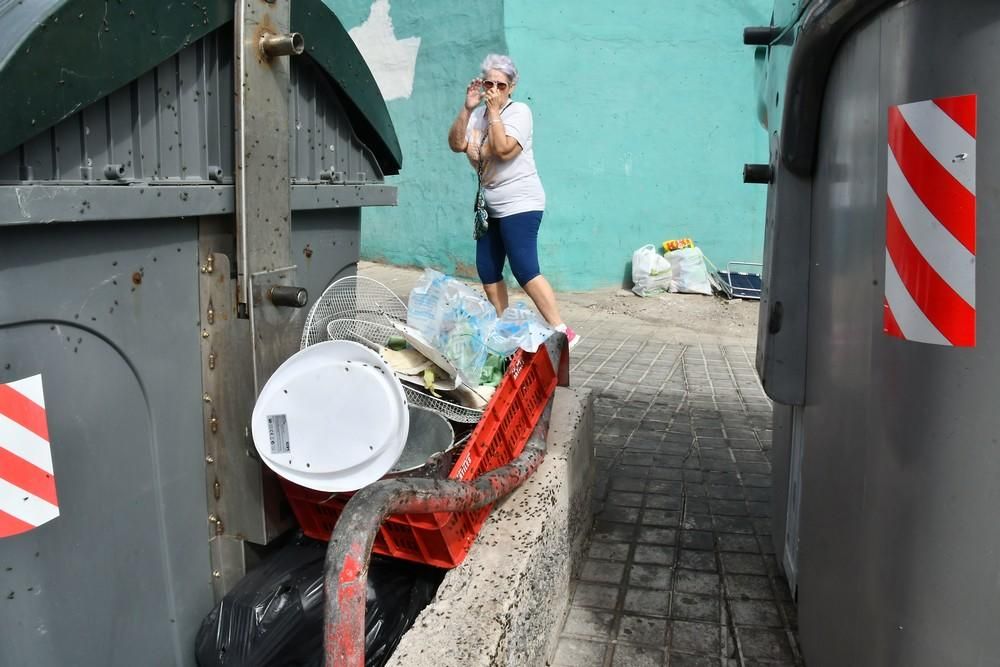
333	418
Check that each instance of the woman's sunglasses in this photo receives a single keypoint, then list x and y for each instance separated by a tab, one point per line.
488	85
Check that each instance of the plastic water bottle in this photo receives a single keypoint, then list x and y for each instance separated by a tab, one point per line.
422	310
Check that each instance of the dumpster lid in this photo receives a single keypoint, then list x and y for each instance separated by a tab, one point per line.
59	56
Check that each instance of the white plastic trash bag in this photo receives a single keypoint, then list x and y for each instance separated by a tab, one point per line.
690	273
650	271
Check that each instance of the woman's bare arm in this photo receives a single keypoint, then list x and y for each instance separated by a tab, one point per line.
456	135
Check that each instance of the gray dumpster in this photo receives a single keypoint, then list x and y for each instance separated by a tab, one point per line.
878	339
150	211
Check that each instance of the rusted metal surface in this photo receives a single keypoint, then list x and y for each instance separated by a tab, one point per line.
273	45
275	325
243	497
350	546
263	186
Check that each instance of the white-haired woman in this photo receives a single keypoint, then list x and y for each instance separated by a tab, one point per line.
497	138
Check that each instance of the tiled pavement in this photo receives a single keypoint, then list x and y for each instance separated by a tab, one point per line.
680	570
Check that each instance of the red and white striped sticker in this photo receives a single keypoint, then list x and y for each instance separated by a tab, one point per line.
27	482
930	240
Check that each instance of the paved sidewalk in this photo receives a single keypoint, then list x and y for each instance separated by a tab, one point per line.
680	569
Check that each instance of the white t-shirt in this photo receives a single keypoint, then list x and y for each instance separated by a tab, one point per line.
511	186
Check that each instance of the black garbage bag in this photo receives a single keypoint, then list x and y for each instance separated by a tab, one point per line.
274	616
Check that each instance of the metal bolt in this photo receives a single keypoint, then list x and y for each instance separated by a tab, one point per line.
211	314
211	361
213	423
204	333
209	459
206	398
273	45
758	173
216	574
113	172
212	518
294	297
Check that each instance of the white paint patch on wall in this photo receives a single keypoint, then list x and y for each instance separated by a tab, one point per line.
392	61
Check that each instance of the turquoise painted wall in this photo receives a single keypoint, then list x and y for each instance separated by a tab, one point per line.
644	115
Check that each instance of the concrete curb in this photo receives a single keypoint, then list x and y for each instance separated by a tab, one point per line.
505	605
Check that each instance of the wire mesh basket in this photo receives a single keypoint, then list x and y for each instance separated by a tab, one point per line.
362	310
452	411
376	336
370	334
352	298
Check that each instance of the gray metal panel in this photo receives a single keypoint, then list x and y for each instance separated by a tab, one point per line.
30	204
95	132
122	577
168	123
10	164
845	221
69	138
325	246
191	113
120	128
781	335
38	157
323	140
173	123
898	536
793	497
781	446
145	150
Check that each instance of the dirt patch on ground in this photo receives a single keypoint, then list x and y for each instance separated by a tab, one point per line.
699	314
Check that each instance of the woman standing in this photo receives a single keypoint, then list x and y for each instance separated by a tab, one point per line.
497	138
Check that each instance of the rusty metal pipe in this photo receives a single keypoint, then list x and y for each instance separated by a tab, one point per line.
272	45
347	556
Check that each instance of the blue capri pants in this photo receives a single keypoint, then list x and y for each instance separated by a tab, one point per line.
514	238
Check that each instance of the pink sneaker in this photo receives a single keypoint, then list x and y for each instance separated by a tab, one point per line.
572	337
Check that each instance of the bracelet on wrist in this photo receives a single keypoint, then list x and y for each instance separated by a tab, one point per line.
496	120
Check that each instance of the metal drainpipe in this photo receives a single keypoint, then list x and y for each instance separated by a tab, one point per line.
346	572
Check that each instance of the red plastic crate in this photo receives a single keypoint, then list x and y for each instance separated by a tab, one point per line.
443	539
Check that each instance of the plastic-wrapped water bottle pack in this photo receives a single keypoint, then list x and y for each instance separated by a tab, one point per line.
464	327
